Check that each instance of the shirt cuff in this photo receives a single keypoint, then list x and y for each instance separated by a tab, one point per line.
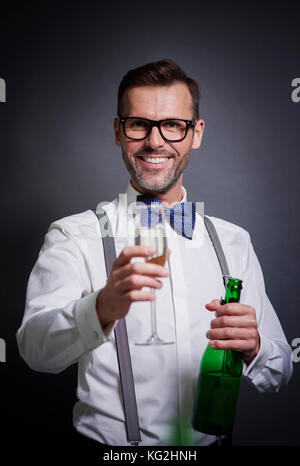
259	362
88	324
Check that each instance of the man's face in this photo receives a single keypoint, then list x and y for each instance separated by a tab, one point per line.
157	103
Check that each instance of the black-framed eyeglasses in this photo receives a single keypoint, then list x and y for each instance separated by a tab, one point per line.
171	129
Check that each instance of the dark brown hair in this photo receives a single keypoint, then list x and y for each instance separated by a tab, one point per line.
159	73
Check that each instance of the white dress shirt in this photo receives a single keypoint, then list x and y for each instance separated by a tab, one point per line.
60	325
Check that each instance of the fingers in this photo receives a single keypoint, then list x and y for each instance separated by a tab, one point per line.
241	321
126	282
235	328
229	309
136	282
213	305
236	345
138	295
231	333
127	278
132	251
138	275
141	268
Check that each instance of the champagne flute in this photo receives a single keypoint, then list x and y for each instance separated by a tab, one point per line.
152	236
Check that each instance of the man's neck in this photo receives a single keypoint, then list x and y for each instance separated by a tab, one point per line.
169	199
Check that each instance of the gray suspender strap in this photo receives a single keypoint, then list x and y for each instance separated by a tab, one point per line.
218	248
124	360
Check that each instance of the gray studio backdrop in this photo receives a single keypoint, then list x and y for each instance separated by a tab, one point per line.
62	64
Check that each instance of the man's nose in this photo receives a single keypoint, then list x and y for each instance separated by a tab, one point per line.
155	139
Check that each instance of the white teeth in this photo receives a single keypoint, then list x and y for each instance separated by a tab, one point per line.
155	160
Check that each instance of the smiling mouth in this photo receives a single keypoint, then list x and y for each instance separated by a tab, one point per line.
154	160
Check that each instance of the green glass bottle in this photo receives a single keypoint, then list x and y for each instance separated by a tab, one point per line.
219	382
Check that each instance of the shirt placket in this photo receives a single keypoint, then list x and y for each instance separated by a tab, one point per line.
183	336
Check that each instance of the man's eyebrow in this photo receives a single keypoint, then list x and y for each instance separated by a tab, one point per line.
165	118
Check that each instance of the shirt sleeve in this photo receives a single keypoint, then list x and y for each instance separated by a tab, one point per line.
272	367
60	322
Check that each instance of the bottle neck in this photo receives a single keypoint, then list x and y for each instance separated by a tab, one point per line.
233	291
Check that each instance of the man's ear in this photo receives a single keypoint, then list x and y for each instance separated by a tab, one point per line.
198	133
117	131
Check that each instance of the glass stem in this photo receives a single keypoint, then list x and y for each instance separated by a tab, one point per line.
153	314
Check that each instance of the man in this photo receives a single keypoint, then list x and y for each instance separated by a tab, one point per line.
72	308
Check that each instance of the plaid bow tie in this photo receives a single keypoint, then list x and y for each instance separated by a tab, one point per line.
181	217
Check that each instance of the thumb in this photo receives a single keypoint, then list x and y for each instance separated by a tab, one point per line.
213	305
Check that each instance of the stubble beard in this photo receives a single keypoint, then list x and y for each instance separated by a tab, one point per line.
157	183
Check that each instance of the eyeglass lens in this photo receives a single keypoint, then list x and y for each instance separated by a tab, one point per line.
171	129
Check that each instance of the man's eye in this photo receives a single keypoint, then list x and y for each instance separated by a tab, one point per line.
138	124
175	125
171	124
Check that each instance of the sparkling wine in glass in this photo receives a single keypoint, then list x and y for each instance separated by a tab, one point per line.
153	236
